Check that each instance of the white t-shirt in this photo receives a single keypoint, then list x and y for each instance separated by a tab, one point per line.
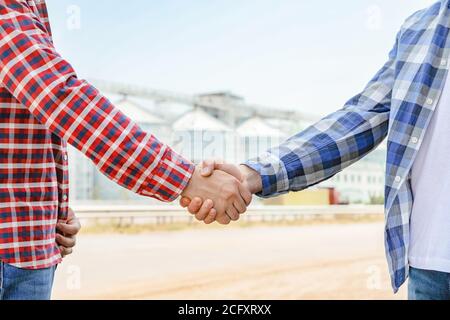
430	178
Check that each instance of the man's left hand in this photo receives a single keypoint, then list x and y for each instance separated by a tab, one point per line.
66	237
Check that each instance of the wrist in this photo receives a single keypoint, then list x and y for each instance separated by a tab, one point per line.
189	189
252	179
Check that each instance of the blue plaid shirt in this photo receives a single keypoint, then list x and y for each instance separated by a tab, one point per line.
398	103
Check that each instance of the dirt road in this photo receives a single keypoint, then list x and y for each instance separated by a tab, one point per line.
309	262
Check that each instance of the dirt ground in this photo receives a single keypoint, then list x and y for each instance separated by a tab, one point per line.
302	262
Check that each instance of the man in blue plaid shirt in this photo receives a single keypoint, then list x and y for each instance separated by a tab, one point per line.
408	101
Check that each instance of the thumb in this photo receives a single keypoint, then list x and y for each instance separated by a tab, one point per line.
185	202
71	214
231	169
208	167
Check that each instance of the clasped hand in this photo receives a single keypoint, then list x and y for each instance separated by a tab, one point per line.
220	192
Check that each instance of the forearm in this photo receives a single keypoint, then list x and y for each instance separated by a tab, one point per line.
119	148
312	157
251	179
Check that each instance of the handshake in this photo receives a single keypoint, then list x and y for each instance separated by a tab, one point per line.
220	192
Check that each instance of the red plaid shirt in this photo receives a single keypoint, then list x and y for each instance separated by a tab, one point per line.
42	105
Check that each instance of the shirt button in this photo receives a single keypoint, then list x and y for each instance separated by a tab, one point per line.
398	179
444	62
414	140
65	197
430	101
65	157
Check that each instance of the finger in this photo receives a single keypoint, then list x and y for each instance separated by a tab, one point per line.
68	242
70	214
208	168
72	226
62	251
223	219
240	205
231	169
245	194
70	229
204	210
233	213
65	251
185	202
195	205
211	217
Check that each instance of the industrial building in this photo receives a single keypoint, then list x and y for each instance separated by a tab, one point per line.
218	125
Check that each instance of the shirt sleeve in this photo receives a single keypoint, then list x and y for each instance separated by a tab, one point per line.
40	79
333	143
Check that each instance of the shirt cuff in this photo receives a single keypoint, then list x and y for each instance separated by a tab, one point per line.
170	177
275	180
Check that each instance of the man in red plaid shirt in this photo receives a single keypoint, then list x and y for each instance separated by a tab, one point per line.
43	105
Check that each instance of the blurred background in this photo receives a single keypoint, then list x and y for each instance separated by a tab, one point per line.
228	80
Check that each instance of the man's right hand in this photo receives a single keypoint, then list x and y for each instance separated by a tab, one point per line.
250	178
251	182
222	195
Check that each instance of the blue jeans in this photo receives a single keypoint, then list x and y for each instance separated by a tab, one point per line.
20	284
428	285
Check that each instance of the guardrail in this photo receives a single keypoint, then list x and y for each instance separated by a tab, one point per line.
124	214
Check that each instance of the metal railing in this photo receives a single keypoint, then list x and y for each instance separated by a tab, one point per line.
171	214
